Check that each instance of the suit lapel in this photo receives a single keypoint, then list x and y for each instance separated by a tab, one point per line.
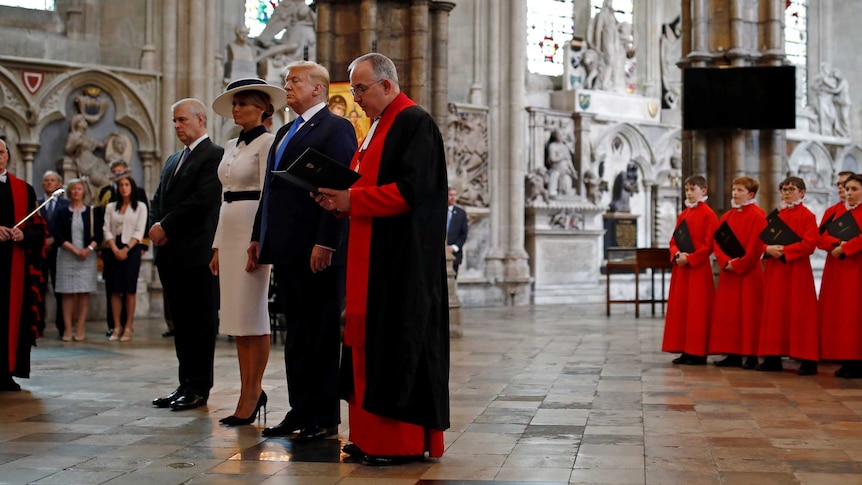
302	133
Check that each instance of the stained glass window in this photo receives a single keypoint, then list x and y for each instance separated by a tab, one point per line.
796	42
31	4
257	13
549	30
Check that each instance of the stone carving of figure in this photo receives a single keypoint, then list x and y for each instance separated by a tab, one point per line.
118	149
671	51
561	168
625	184
605	38
298	19
536	183
591	184
823	87
842	105
593	67
239	50
79	149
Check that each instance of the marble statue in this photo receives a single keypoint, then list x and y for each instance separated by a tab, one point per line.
297	19
240	56
671	74
536	185
467	155
561	168
80	150
833	102
605	39
625	184
592	184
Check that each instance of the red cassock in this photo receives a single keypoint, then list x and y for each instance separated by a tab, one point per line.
385	418
692	287
735	325
841	297
789	325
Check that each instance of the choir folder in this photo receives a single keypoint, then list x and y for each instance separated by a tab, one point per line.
843	227
313	170
778	232
727	241
682	238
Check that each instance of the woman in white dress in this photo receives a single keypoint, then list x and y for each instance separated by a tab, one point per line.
78	234
243	289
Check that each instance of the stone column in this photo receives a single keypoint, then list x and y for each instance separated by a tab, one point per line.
647	29
151	165
517	270
210	77
476	96
497	179
418	82
368	29
197	48
440	60
773	143
148	52
28	150
325	36
169	78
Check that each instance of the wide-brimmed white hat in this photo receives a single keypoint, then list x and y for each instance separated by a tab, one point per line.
223	104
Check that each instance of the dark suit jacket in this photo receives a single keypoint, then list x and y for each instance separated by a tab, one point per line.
60	204
457	234
295	223
92	232
187	206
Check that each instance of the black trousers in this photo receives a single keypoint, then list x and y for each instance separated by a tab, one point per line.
312	305
192	293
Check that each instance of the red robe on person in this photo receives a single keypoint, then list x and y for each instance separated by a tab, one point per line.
735	326
692	287
841	297
789	325
395	369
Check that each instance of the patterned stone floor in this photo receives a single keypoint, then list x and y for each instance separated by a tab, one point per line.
552	394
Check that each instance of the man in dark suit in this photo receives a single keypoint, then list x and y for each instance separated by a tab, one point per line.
108	194
456	229
184	214
305	244
51	181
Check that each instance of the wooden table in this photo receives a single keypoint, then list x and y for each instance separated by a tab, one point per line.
636	260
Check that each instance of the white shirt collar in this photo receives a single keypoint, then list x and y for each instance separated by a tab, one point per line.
310	112
3	176
197	142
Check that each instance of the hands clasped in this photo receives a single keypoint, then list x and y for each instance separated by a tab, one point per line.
333	200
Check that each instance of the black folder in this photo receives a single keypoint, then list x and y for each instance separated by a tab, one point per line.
313	170
778	232
772	214
825	224
682	238
727	241
843	227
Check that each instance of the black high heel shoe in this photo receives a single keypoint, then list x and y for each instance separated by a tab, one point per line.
235	421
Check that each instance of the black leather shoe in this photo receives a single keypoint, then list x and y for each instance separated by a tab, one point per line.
9	385
165	402
770	364
314	433
695	360
378	460
729	361
286	427
807	368
680	360
353	450
750	362
189	400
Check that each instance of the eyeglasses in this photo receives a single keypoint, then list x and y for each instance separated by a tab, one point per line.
361	89
788	189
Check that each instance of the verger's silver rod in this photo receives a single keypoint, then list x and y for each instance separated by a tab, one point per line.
56	193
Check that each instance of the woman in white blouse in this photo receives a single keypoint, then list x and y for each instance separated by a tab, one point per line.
125	223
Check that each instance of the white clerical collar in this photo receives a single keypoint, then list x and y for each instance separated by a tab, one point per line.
369	135
3	176
740	206
692	205
790	205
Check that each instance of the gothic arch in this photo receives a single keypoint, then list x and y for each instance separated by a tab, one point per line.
14	105
641	151
845	158
815	153
131	110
